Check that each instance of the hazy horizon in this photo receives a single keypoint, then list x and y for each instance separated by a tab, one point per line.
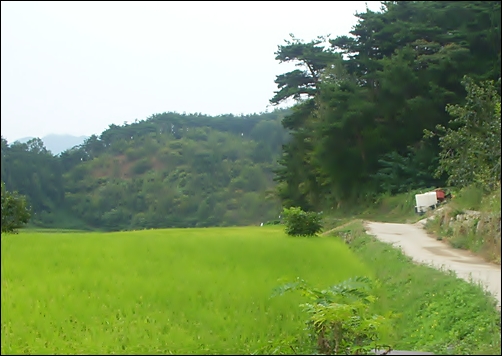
77	67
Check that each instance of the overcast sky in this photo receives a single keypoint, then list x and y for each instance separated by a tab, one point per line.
77	67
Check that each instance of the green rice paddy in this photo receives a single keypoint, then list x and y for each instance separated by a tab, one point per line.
189	291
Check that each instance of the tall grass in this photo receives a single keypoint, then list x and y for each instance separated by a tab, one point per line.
182	291
492	202
468	198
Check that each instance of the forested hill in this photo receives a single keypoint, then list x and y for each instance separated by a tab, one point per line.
365	100
170	170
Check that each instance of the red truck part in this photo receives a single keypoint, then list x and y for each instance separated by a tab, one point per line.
440	194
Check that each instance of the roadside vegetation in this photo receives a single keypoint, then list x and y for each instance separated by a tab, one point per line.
437	312
470	221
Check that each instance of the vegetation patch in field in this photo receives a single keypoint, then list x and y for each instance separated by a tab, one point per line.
340	320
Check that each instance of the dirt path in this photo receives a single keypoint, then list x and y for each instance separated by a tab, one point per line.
415	243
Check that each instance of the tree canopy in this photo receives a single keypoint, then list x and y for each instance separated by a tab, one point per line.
363	101
470	146
170	170
15	211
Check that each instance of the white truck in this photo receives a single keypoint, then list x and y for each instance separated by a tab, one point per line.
426	201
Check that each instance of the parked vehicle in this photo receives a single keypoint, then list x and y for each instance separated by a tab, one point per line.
430	200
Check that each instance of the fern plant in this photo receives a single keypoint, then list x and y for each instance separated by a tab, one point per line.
340	321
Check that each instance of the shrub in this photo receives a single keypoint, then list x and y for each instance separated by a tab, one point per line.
301	223
15	210
340	320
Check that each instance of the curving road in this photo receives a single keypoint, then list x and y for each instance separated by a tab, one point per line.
414	242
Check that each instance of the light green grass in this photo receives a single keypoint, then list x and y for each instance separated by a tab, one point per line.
189	291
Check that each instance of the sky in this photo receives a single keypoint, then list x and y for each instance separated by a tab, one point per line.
77	67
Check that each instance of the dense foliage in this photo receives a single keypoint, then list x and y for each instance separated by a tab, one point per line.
170	170
364	101
33	171
470	147
15	211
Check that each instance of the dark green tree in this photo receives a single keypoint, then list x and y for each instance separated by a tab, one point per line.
357	126
470	146
298	177
15	211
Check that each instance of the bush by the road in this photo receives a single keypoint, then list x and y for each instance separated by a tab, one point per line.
302	223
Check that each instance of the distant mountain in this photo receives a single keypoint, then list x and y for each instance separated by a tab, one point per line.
58	143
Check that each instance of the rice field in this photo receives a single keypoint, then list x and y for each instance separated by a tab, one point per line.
173	291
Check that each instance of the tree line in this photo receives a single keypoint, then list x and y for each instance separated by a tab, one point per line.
366	104
170	170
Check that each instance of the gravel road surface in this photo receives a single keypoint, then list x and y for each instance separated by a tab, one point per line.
414	242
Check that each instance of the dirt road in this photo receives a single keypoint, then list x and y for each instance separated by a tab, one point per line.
422	248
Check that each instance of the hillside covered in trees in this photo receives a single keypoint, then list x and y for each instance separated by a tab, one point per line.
364	102
370	107
170	170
